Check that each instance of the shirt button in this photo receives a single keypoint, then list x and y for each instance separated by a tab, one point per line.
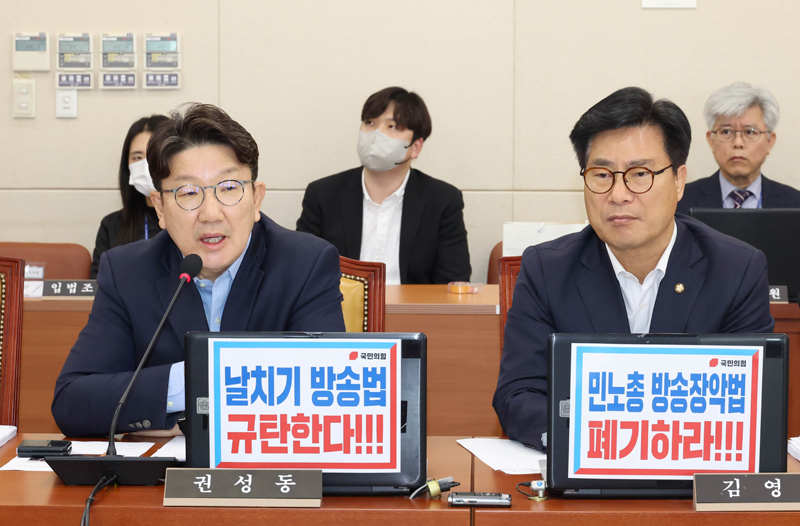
202	285
642	306
217	321
169	404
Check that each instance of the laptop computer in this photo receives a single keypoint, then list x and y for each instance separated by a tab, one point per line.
411	417
724	409
774	231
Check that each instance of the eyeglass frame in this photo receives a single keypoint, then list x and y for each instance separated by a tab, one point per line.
741	132
174	192
624	178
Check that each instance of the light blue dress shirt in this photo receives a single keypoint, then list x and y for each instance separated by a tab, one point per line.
754	201
214	295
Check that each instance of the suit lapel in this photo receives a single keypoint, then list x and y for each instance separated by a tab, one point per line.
187	313
712	192
352	214
672	309
599	290
769	193
414	201
245	286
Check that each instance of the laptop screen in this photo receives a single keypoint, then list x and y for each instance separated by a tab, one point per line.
641	414
350	404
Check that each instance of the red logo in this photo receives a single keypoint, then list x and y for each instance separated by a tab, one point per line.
713	362
354	355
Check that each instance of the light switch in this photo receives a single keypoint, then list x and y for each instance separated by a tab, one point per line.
67	103
23	99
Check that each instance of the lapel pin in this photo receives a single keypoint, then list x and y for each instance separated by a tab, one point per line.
679	288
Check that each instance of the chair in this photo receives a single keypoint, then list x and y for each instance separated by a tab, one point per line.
493	275
12	272
62	260
363	285
509	269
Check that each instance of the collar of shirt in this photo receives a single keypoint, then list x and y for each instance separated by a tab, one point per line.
640	298
215	293
754	201
397	195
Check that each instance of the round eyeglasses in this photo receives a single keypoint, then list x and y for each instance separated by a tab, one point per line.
191	196
748	134
637	179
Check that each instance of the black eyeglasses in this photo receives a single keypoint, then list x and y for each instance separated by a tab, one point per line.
637	179
191	196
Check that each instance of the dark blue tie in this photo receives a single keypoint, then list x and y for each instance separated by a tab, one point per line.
739	196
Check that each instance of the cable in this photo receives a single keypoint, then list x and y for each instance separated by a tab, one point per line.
105	481
538	485
436	487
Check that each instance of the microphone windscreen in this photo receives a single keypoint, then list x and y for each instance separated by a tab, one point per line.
192	265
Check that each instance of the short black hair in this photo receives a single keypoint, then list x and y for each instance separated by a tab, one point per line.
410	111
198	125
634	107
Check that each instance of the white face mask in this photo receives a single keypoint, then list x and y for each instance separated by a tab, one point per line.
379	152
140	178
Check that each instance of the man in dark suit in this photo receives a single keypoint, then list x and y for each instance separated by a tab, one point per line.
741	123
256	276
386	211
637	268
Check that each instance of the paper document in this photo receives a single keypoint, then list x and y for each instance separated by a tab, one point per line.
125	449
7	433
502	454
174	448
794	447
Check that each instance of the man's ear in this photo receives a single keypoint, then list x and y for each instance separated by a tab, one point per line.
259	191
680	180
416	148
158	204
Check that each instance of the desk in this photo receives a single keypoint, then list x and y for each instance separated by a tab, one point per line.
31	499
587	512
463	354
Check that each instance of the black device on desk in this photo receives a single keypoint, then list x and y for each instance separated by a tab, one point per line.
413	410
575	474
774	231
43	448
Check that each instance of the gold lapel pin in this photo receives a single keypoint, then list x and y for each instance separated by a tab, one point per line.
679	288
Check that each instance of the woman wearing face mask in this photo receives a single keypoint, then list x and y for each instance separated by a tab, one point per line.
137	219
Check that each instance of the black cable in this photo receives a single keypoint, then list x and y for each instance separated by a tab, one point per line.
527	485
105	481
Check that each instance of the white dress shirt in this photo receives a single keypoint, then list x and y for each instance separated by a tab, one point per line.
754	201
380	230
640	298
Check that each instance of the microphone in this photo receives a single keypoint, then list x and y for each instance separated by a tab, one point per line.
147	471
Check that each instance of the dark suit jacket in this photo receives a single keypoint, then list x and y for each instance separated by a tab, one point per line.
109	229
433	239
568	285
287	282
707	193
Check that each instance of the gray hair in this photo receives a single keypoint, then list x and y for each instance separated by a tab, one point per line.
734	100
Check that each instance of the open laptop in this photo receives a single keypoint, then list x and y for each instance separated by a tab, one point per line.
410	417
616	436
774	231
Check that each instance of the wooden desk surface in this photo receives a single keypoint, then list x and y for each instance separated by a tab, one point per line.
587	512
33	498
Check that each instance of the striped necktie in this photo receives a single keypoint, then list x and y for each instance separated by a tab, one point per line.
739	196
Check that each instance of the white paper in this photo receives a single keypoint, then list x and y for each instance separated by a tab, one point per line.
125	449
174	448
794	447
505	455
7	433
33	289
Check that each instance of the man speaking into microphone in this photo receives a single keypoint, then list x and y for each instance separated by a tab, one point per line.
255	276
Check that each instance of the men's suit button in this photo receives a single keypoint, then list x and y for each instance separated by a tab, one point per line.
138	425
146	424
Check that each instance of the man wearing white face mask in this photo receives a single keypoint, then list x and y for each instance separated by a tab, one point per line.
137	219
386	210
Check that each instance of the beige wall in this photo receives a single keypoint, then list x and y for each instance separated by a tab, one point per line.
504	80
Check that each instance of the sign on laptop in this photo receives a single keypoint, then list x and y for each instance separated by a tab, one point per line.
331	404
662	411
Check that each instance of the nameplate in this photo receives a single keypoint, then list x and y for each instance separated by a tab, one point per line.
285	488
747	492
69	288
778	294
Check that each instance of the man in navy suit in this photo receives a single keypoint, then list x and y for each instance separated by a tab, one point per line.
256	276
741	123
637	268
